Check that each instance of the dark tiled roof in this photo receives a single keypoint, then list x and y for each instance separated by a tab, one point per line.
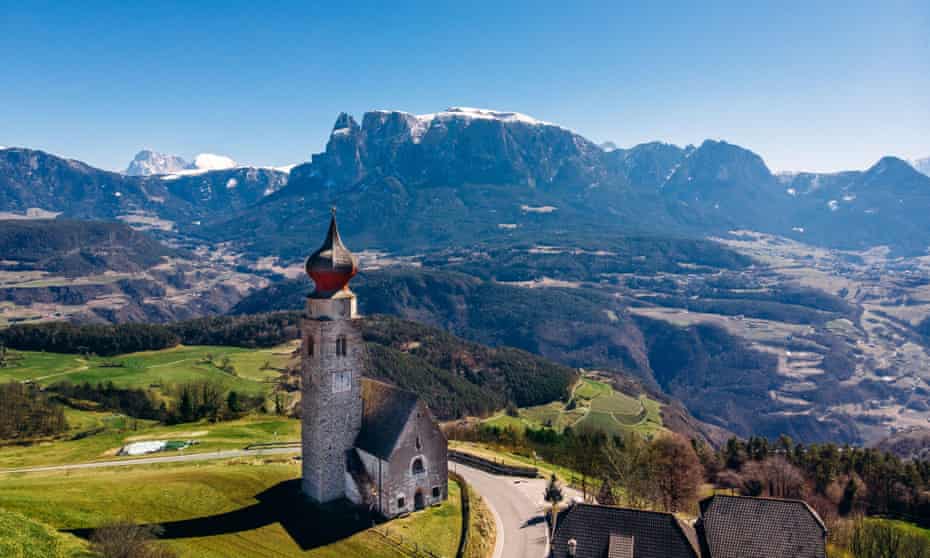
385	411
605	532
743	527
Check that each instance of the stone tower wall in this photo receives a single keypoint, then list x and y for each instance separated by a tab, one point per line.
331	394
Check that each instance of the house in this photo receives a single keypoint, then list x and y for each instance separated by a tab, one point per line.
593	531
745	527
366	441
728	527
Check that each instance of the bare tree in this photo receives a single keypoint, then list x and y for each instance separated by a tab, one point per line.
628	463
774	477
678	472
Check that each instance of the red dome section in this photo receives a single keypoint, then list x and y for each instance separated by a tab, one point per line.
333	265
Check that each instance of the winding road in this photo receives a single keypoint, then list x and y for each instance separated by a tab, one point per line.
516	503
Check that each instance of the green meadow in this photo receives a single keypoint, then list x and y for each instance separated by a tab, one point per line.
596	405
252	369
213	501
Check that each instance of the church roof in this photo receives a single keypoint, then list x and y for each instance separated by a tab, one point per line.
333	265
385	412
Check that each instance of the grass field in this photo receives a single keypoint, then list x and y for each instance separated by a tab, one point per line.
21	537
233	508
118	431
253	368
597	406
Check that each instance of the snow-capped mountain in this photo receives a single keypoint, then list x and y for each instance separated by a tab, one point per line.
149	163
153	163
922	165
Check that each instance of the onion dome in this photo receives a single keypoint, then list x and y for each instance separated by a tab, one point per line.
333	265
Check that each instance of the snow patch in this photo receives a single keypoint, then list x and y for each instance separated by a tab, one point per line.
211	161
833	205
420	123
232	183
798	229
30	213
507	226
538	209
792	192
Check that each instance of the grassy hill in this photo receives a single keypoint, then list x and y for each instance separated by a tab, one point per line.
23	537
246	507
454	376
594	405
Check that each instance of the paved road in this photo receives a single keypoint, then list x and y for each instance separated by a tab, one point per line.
225	454
516	503
518	507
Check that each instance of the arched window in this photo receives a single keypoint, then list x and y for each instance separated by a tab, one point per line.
417	466
308	343
341	346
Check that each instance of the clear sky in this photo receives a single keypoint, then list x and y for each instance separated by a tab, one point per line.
813	85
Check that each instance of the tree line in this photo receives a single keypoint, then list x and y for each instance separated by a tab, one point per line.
28	413
260	330
665	472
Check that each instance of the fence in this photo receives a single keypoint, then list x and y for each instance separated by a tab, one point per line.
466	512
404	545
490	466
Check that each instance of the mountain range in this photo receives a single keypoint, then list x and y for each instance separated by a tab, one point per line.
406	182
517	220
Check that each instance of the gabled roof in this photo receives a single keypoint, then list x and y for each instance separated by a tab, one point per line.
385	412
744	527
607	531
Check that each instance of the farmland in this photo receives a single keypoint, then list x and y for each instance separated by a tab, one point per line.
594	405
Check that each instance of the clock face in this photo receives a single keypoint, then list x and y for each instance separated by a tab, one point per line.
342	381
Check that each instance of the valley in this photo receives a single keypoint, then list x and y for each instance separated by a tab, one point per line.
655	264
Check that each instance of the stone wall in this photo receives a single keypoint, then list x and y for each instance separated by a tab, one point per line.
332	356
422	439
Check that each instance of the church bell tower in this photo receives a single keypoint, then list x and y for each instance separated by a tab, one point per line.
331	369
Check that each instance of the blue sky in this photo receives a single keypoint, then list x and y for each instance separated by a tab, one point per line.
807	85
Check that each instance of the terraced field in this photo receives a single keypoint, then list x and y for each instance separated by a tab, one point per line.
595	405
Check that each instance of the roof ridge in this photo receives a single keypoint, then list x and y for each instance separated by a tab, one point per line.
390	386
803	503
670	514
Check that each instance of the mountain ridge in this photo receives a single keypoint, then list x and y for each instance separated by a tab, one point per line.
402	179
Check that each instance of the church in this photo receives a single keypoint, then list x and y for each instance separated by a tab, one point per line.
363	440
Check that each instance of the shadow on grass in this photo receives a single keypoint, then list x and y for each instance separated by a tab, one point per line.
310	525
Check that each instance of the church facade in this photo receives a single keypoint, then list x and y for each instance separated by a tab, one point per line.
363	440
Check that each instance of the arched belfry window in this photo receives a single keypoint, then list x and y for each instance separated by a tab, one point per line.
417	468
341	346
308	343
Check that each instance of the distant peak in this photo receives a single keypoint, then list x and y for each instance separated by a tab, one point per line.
890	163
148	163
